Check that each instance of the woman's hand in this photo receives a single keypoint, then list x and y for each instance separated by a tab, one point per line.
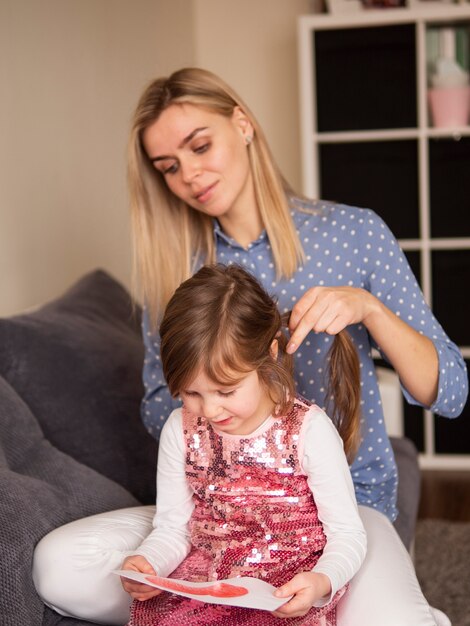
307	588
138	591
329	310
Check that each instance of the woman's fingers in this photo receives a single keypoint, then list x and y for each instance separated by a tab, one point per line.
321	315
325	309
303	305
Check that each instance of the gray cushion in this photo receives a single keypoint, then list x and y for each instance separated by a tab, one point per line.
71	440
77	363
409	488
41	488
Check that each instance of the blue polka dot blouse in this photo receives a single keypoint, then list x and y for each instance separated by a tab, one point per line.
343	246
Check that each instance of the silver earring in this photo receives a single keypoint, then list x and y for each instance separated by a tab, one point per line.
248	140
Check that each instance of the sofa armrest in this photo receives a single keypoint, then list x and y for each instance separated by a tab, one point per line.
409	488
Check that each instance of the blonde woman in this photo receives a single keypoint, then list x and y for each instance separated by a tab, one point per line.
204	187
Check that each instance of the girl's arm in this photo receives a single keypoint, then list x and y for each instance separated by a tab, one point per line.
329	479
391	306
157	403
168	544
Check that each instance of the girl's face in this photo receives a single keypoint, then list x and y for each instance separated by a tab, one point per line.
203	158
237	409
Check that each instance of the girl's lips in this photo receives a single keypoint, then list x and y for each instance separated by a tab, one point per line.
227	420
205	194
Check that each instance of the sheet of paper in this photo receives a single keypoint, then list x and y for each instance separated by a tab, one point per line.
248	592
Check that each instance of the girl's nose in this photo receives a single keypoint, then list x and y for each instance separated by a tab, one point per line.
211	408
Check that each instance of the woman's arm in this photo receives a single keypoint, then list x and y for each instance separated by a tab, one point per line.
387	299
331	309
412	355
169	544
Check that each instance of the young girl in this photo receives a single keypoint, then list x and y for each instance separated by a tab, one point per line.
252	479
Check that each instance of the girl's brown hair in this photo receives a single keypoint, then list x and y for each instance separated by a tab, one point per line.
222	321
344	392
168	235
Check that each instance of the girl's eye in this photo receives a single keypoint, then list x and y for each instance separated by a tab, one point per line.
225	394
189	393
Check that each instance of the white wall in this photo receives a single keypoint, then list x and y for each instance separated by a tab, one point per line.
70	75
252	45
71	72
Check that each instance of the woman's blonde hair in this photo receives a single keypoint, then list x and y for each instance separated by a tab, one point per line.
170	237
223	322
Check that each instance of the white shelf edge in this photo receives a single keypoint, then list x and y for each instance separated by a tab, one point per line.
431	13
307	112
462	243
444	461
456	133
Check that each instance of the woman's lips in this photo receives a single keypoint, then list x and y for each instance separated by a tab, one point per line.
205	194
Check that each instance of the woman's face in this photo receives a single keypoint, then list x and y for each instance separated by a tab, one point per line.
203	157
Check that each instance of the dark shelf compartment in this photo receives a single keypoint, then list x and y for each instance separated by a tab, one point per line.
413	415
414	424
450	272
449	183
380	175
414	259
453	435
365	78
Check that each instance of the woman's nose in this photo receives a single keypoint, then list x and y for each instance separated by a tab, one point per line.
190	169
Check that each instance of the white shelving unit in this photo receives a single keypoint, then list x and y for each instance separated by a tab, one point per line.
313	141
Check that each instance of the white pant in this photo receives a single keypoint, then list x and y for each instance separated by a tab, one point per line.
72	564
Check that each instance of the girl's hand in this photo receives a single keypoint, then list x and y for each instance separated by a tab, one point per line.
308	588
138	591
329	310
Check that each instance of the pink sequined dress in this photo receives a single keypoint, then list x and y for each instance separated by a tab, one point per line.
254	516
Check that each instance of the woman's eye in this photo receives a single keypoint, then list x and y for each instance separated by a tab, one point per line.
171	169
201	149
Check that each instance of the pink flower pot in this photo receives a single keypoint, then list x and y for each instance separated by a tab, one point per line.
449	106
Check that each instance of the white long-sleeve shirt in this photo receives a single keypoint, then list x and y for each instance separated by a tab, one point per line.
328	475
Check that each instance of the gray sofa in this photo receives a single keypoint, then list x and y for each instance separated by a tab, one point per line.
71	440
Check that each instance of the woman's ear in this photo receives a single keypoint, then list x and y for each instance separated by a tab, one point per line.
241	121
274	349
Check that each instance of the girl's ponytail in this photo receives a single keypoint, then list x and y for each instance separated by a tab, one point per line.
344	391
